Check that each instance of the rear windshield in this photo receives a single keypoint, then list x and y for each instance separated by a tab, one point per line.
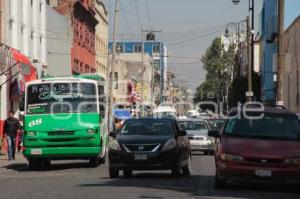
271	125
147	127
192	125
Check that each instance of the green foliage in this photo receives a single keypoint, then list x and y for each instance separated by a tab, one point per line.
218	65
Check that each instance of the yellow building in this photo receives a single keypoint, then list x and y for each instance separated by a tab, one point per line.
101	38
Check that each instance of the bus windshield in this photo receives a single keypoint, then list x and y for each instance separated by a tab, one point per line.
61	98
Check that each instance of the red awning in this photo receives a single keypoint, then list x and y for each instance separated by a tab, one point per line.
25	67
19	57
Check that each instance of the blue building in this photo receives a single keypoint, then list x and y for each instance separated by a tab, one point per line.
157	50
269	30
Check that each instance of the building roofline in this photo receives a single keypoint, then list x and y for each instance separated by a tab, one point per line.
292	24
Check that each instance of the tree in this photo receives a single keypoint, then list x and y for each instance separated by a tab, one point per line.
219	65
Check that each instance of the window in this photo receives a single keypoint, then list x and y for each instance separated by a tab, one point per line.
119	48
156	48
116	85
137	48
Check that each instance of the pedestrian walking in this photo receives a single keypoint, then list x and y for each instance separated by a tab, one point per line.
11	128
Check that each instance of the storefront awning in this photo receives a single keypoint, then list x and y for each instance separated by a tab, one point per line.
25	66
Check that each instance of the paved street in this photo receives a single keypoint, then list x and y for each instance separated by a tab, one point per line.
75	180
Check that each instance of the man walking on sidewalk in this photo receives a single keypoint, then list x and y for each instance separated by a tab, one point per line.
11	128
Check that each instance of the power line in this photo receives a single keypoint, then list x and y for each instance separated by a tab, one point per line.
149	16
138	14
126	20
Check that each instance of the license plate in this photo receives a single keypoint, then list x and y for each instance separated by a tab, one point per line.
36	151
263	173
140	157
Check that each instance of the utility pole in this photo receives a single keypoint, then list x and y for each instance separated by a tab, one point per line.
280	67
144	69
112	64
249	62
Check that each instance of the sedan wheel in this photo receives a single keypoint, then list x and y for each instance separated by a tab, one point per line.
113	173
127	173
176	171
219	184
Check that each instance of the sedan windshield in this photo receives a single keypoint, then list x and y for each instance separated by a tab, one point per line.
147	127
270	126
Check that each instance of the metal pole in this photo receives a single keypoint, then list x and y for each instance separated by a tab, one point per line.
143	75
252	46
280	68
249	61
113	57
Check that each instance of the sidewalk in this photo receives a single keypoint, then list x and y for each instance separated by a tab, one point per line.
19	160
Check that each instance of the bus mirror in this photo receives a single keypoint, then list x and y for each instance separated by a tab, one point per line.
21	104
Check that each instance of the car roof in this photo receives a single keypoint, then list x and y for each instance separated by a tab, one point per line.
190	119
267	109
150	118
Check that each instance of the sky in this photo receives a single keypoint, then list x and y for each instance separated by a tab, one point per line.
292	11
188	27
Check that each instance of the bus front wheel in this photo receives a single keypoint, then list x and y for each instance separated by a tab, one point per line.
94	161
35	164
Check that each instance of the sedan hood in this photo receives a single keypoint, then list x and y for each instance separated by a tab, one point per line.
261	148
142	139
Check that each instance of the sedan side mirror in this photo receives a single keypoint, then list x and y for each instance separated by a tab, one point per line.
214	133
182	133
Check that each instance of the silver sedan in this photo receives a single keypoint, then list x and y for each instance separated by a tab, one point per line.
197	132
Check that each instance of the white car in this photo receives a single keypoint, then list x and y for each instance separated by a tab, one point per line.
197	132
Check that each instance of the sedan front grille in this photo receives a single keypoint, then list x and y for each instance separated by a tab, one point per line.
196	138
141	147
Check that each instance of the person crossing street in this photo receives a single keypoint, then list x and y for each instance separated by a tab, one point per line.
11	128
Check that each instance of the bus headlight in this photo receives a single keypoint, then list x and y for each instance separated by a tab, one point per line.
91	131
31	133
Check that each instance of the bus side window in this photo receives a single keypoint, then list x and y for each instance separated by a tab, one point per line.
101	101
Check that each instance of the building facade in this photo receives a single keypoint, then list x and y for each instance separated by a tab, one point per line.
157	50
81	15
269	30
59	43
292	66
101	39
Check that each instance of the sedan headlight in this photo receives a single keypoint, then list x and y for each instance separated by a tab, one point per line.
230	157
295	161
114	145
170	144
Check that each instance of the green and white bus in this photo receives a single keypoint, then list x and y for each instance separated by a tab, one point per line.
65	118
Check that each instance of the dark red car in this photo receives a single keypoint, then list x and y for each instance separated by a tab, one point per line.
258	146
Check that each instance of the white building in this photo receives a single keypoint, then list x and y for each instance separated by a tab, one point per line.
25	30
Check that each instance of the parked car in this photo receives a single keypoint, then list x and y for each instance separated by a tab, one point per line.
149	144
197	131
259	146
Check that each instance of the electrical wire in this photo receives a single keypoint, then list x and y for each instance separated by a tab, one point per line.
138	14
149	16
126	20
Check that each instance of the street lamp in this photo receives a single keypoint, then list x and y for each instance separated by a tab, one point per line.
251	8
